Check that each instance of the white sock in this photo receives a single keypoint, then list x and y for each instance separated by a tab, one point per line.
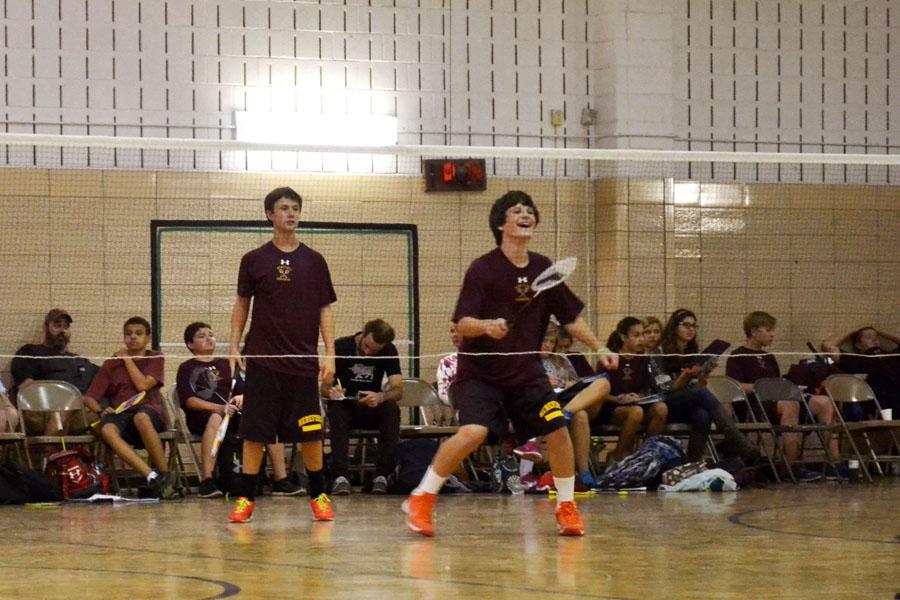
565	489
151	476
525	467
431	483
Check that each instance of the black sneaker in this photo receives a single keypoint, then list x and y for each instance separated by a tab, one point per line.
380	485
286	487
208	489
164	486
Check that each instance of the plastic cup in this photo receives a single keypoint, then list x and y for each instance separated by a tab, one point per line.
887	414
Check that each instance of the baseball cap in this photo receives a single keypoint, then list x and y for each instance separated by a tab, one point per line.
57	313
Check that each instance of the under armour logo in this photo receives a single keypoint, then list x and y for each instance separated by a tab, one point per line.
521	279
285	261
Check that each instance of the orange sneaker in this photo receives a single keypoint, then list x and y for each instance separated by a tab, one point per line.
418	510
321	507
242	511
568	520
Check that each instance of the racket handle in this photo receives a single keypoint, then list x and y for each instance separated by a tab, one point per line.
220	436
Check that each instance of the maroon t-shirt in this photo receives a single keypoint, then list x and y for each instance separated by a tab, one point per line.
632	376
495	288
114	383
747	365
288	290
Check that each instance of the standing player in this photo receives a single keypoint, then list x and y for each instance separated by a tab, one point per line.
494	388
292	295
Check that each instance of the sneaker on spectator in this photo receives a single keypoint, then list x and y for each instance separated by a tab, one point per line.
321	508
208	489
587	480
837	472
286	487
568	521
530	481
418	509
163	486
805	475
529	451
379	485
546	483
341	487
242	511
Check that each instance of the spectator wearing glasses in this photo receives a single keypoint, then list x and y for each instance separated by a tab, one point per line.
675	373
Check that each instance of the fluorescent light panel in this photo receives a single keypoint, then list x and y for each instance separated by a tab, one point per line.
295	128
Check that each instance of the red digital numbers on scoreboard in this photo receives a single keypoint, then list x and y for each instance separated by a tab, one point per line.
455	175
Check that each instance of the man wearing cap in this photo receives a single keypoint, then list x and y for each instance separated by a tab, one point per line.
52	361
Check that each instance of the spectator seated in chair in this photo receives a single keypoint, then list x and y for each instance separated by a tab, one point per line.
579	398
134	369
751	362
51	360
356	400
629	383
9	417
446	374
686	396
882	372
206	396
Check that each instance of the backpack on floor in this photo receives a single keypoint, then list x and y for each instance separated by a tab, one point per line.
19	485
75	474
413	459
644	467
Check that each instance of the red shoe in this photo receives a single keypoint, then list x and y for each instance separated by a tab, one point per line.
242	511
545	483
568	520
321	507
418	509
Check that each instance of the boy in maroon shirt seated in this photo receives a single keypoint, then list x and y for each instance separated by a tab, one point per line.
134	369
206	395
751	362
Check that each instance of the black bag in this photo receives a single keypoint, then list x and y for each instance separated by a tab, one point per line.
19	485
413	459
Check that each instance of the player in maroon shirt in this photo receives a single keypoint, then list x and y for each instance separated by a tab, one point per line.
291	289
500	376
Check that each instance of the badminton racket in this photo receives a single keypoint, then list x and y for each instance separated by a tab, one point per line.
549	278
223	426
127	405
204	382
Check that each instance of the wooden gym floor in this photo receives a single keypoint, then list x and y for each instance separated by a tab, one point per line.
823	540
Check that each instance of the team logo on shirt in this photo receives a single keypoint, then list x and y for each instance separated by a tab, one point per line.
626	372
522	289
761	361
362	372
284	270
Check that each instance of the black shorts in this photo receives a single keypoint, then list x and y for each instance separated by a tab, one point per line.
124	422
533	410
280	407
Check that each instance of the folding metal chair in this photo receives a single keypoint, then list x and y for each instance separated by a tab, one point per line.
775	389
54	399
849	389
729	392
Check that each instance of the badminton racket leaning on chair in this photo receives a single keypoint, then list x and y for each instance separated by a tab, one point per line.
549	278
127	405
